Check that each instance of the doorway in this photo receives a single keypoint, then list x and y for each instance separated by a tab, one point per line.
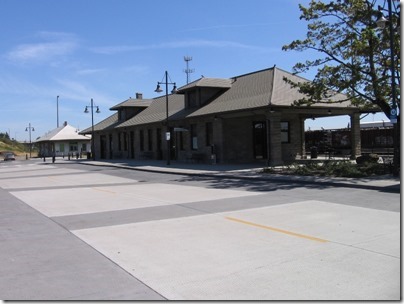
260	139
103	139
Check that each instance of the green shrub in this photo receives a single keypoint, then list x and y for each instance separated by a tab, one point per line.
343	169
367	158
332	168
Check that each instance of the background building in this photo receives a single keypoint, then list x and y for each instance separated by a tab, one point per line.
62	141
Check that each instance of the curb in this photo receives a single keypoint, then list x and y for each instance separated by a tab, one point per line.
274	178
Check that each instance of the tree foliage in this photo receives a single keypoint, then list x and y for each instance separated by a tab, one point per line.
4	135
354	55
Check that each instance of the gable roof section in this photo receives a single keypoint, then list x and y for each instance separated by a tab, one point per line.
247	91
133	103
284	95
156	112
207	83
106	124
65	132
260	89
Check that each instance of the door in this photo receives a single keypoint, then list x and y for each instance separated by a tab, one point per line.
110	146
260	140
132	144
103	139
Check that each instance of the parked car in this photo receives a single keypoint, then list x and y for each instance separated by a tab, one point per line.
9	156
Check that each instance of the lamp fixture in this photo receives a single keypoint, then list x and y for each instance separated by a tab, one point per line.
381	22
174	90
158	89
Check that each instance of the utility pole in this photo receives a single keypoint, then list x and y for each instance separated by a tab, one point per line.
57	111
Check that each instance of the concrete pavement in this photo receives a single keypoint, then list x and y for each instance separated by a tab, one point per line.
69	233
40	260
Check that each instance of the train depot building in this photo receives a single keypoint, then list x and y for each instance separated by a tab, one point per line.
247	118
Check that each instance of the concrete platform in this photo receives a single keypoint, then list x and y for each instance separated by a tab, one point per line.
300	251
70	234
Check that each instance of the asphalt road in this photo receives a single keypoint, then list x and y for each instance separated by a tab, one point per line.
76	232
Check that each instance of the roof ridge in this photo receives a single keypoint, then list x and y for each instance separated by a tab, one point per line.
255	72
294	74
273	85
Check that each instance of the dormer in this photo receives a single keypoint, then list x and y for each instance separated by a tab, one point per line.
202	91
131	107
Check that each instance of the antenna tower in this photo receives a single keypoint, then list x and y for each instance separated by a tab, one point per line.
188	71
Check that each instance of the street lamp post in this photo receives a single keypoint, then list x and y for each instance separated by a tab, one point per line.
174	90
92	125
29	129
57	111
381	23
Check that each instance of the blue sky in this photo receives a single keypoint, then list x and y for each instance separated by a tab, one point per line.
110	49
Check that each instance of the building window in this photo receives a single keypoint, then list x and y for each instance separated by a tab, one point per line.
158	139
209	133
83	148
285	132
192	100
119	141
141	137
73	146
62	148
194	138
150	139
181	143
125	141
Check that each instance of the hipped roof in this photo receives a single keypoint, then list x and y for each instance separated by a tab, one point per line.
107	124
258	90
133	103
255	90
63	133
157	110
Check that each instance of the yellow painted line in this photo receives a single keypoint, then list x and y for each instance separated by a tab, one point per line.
312	238
102	190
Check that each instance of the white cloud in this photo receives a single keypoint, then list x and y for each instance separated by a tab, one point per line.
108	50
90	71
78	91
225	26
57	44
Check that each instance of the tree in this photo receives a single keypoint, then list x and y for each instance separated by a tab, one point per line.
354	55
4	135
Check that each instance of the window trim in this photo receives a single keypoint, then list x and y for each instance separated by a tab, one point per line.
285	131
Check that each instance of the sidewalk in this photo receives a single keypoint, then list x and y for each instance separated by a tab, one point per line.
251	171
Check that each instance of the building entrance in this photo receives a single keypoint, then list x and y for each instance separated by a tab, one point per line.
260	139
